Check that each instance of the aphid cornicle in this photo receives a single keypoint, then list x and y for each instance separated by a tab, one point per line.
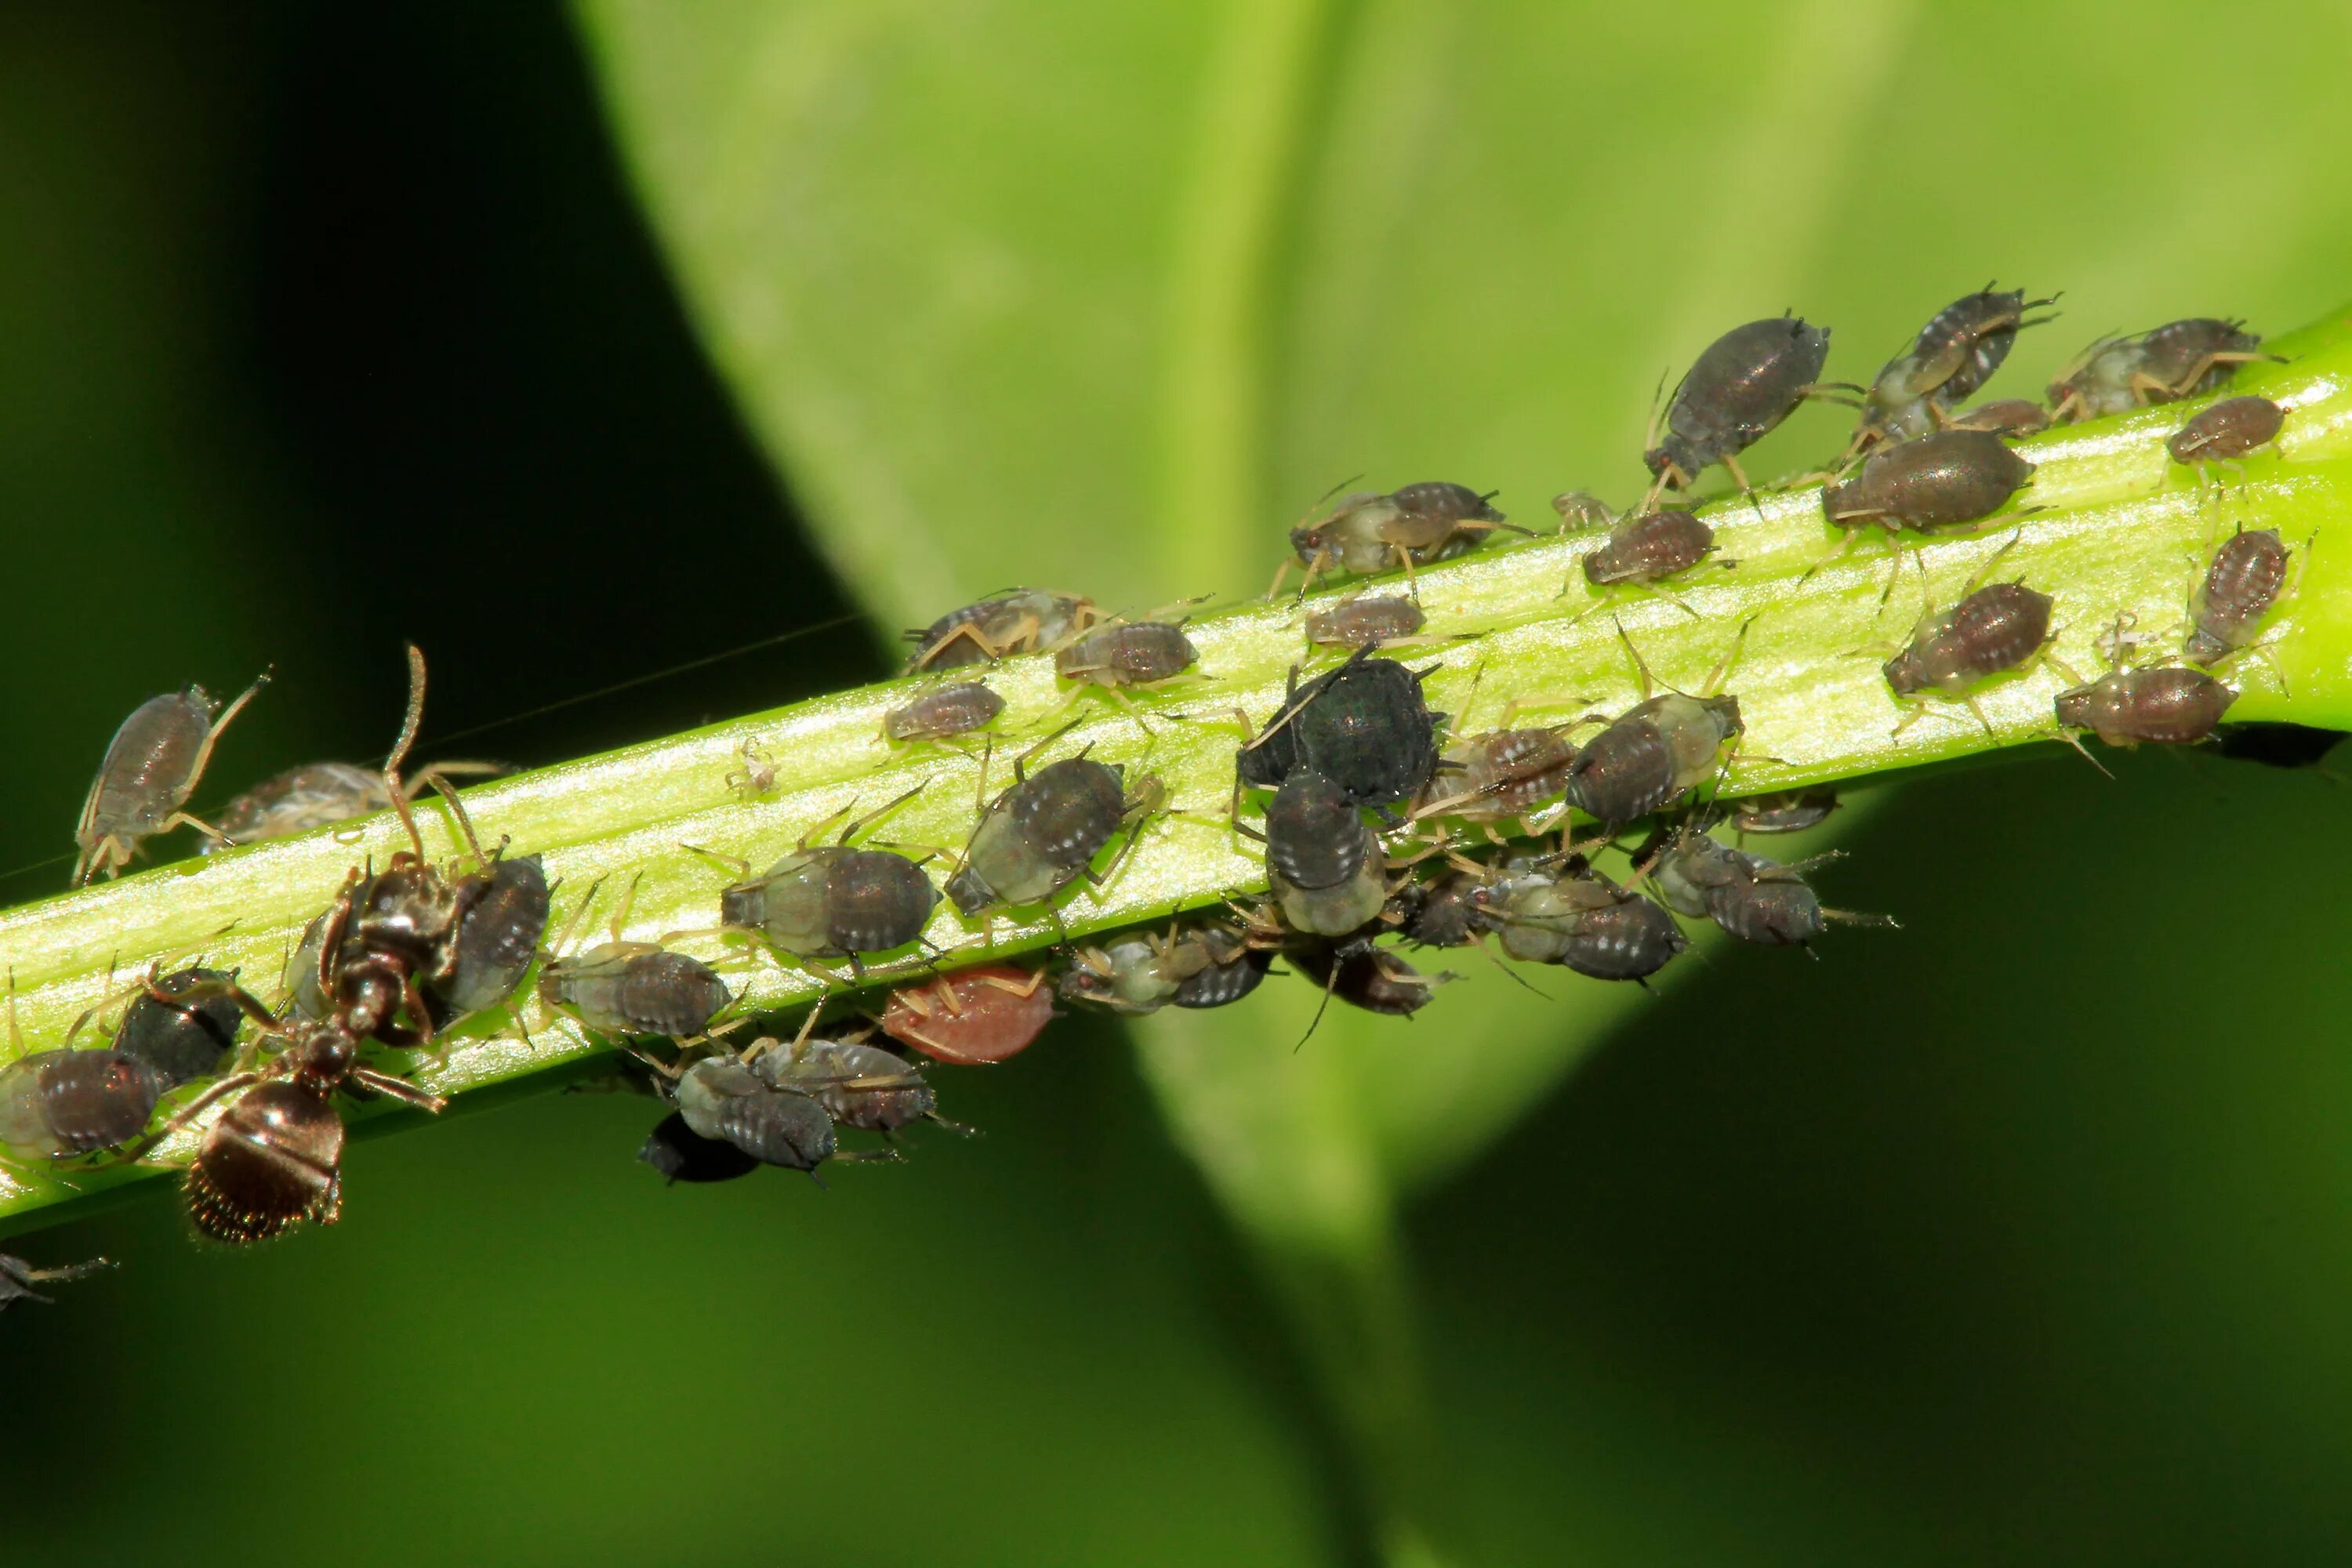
2178	360
1993	629
1363	975
1649	549
986	1013
2232	428
18	1279
1744	385
2009	417
1955	353
2164	705
2245	579
1752	898
1040	835
831	901
1017	621
956	709
682	1155
1582	920
319	795
152	766
1364	726
1945	481
182	1041
1323	861
1365	618
55	1104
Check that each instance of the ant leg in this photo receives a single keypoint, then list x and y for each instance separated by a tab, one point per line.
400	1089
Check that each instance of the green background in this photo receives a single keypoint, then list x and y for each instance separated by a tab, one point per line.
2016	1235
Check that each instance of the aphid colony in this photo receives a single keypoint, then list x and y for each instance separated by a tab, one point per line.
1383	823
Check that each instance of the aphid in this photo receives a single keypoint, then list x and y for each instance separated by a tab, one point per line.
1944	481
834	901
1581	510
956	709
1447	911
1365	976
758	774
1415	526
1582	920
2232	428
1200	965
2165	705
18	1279
2180	359
1754	899
1017	621
1784	811
1993	629
2011	417
974	1017
2248	574
59	1103
1500	776
1662	748
1365	618
1747	381
636	988
1364	726
682	1155
181	1041
319	795
1126	653
2276	745
858	1085
722	1099
1954	354
1038	837
497	937
1646	550
152	765
1323	861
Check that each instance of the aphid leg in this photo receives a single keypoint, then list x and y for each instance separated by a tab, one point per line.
1676	600
1853	525
1021	762
876	814
1716	676
1739	478
735	863
2073	740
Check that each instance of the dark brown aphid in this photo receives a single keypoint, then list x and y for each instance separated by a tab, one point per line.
1500	776
2011	417
1955	354
497	937
636	988
2232	428
1020	621
858	1085
319	795
1662	748
182	1041
18	1279
834	901
1126	653
2163	705
1323	861
152	766
1196	965
2248	574
58	1103
1649	549
722	1099
1747	381
1945	481
1364	726
1754	899
1365	619
1363	975
682	1155
973	1017
956	709
1784	811
1415	526
2180	359
1582	920
1994	628
1040	835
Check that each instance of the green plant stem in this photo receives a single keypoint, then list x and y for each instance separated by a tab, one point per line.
2119	531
